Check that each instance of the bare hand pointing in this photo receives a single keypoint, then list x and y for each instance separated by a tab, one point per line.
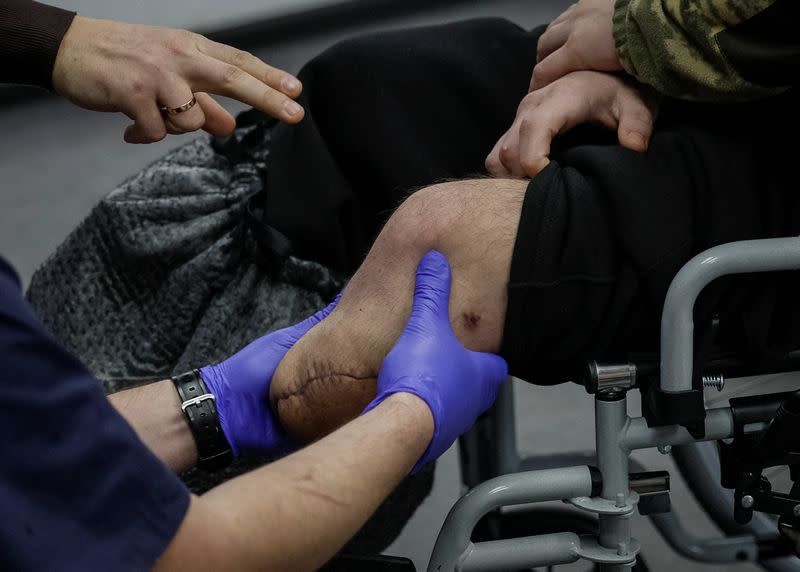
138	70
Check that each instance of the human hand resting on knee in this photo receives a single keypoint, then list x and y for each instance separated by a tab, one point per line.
618	102
241	385
567	90
428	361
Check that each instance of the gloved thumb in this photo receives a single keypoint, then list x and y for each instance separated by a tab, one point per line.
431	293
325	312
294	333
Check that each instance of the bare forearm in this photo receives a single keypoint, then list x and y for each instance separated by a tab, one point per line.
154	411
295	514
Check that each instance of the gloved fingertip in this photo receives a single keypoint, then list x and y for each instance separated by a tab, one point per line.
330	307
432	290
435	262
433	271
302	328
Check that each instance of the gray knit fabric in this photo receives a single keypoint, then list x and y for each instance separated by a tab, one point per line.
163	276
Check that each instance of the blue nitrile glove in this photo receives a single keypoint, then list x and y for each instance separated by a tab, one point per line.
241	383
429	362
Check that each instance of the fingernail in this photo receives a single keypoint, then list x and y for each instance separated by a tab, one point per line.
292	108
641	140
290	84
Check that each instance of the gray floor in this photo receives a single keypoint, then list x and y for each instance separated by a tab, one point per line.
56	161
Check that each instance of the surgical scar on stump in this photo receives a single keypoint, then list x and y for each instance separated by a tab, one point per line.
330	375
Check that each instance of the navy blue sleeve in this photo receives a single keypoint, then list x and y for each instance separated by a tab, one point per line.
78	489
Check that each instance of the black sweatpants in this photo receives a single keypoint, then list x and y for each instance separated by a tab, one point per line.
603	229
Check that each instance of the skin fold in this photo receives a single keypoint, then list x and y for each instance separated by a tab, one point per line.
330	375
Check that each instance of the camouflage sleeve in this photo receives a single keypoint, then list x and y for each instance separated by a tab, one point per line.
713	50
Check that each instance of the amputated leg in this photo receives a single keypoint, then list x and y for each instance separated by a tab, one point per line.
329	376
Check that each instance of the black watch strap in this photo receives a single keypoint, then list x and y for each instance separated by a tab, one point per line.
199	406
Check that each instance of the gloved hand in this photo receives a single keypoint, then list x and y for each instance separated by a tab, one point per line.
241	383
429	362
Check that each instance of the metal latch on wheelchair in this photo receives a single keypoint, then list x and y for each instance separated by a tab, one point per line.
653	491
766	434
649	494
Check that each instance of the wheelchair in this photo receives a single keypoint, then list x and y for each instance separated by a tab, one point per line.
722	452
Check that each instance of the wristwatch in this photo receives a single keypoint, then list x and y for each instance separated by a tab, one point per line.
199	406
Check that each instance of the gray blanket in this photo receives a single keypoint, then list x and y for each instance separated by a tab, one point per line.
165	275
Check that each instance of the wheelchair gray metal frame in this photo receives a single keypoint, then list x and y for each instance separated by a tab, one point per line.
616	436
699	463
677	319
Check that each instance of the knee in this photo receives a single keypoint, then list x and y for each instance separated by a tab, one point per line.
423	221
